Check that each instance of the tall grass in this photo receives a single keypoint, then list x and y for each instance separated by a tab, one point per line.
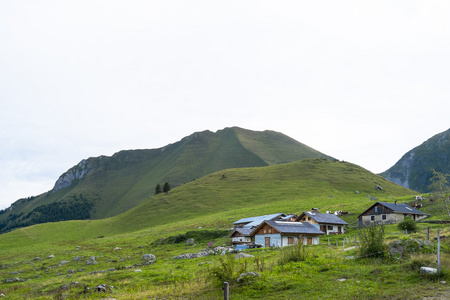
292	253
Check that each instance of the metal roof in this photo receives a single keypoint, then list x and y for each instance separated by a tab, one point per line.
244	231
255	221
294	227
402	208
325	218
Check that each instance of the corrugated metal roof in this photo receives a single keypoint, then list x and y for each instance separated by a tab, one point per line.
255	221
402	208
242	230
325	218
294	227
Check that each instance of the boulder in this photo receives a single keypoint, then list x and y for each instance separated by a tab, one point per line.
190	241
13	279
192	255
427	270
63	262
245	276
78	258
149	258
242	255
117	248
91	261
51	256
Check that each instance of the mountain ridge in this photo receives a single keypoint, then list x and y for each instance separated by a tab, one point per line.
106	186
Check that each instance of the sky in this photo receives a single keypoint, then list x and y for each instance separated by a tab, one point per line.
362	81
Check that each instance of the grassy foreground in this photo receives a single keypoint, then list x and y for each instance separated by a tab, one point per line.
326	271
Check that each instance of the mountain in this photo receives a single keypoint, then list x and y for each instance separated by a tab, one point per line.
413	170
101	187
225	196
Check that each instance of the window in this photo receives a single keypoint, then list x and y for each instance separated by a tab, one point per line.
376	208
383	217
372	218
330	227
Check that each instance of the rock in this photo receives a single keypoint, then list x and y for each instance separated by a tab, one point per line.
244	276
378	188
37	258
117	248
400	248
192	255
443	282
78	258
427	270
101	288
149	258
138	270
190	241
91	261
342	279
13	279
51	256
63	262
242	255
14	273
2	295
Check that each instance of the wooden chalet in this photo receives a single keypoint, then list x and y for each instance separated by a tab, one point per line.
285	233
327	223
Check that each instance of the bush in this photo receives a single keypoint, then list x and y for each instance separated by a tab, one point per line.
292	253
228	269
372	241
407	224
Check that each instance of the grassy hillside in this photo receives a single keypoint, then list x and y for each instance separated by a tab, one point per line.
231	194
107	186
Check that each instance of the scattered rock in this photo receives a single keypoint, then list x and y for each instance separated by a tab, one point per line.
101	288
37	258
149	258
14	273
78	258
91	261
192	255
243	255
443	282
427	270
205	263
2	295
140	246
245	276
117	248
342	279
138	270
63	262
357	192
51	256
378	188
190	241
400	248
13	279
350	257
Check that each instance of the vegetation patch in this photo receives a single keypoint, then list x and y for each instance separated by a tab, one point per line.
197	235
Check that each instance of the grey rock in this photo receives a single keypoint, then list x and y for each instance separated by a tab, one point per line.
91	261
138	270
78	258
427	270
13	279
149	258
51	256
63	262
37	258
190	241
101	288
192	255
242	255
14	273
245	276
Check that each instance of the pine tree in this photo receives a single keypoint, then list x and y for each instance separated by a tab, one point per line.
166	187
158	189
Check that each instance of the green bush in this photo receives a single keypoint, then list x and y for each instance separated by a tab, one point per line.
407	224
228	269
292	253
372	241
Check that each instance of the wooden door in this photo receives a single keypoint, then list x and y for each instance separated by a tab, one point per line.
323	228
267	241
290	240
309	241
339	230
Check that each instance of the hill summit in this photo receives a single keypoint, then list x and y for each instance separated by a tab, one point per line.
100	187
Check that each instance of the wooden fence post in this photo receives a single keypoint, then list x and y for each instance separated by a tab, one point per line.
428	233
226	291
356	243
343	245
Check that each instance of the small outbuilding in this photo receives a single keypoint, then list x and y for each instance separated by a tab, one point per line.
285	233
241	236
327	223
388	213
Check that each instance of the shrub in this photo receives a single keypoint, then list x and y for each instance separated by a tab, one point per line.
228	269
407	224
292	253
372	241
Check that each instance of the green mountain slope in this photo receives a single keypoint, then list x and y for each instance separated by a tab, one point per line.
104	186
221	197
413	170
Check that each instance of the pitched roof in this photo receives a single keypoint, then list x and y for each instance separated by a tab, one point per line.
398	208
244	231
255	221
294	227
324	218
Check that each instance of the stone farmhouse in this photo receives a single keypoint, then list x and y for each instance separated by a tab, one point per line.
388	213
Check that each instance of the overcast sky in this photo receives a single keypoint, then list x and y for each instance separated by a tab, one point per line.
362	81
